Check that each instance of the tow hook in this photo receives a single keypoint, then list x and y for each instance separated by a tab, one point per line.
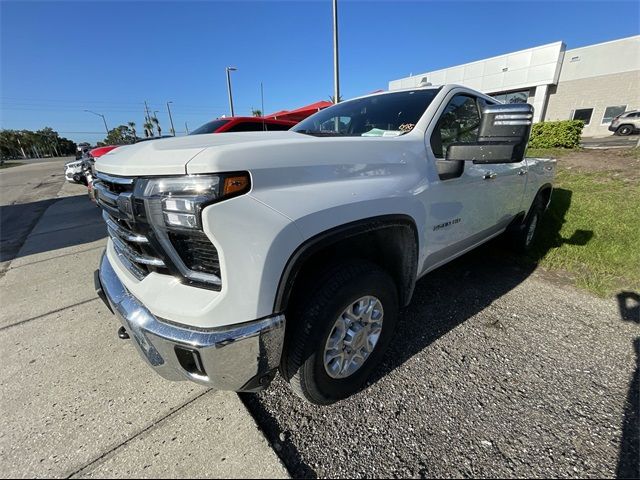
122	334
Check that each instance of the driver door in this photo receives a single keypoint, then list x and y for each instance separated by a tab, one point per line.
460	205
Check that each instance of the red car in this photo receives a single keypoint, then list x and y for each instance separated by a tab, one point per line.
99	151
243	124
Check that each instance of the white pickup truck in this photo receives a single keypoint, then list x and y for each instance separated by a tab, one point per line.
235	255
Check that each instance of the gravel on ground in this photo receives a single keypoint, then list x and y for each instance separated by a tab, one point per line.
495	371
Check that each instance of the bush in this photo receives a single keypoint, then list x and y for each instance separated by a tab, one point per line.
562	134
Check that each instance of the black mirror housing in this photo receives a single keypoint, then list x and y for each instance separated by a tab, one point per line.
502	137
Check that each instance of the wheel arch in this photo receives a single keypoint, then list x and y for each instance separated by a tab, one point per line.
357	240
544	192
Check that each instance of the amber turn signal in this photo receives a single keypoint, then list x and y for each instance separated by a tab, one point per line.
236	184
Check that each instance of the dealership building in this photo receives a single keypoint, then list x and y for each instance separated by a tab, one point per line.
593	83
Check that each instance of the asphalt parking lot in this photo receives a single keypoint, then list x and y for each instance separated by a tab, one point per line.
611	141
497	370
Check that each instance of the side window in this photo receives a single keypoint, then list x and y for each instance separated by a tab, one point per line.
458	123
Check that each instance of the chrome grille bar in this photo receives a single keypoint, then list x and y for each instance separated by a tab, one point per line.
133	256
117	180
123	233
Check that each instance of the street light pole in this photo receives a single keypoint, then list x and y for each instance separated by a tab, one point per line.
103	119
230	69
173	130
336	72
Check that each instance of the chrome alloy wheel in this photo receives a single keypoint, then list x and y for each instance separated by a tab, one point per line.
353	337
532	230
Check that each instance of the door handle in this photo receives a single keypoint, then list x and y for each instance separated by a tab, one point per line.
522	172
489	175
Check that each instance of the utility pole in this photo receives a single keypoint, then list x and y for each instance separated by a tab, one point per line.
230	69
336	73
173	130
147	117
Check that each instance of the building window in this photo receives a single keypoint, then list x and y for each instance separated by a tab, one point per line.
512	97
583	114
612	112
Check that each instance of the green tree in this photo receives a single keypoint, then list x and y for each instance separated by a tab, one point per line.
256	112
121	135
26	143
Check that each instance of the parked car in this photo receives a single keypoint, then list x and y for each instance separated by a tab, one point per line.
73	170
626	123
243	124
88	169
233	256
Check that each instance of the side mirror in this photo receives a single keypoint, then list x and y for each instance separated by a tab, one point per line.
502	136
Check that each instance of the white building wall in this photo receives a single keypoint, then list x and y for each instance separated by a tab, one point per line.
559	80
513	71
617	56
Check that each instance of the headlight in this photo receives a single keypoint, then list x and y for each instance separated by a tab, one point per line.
173	207
178	201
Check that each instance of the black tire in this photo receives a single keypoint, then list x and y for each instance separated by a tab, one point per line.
313	319
624	130
522	238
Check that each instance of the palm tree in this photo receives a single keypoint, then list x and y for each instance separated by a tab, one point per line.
332	98
132	126
157	124
256	112
148	129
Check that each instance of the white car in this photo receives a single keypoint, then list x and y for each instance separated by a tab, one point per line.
234	256
72	169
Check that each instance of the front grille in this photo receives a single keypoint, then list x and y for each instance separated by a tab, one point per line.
142	249
130	242
133	248
196	251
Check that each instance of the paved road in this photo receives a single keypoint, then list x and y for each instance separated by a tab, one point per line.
495	372
25	193
613	141
75	400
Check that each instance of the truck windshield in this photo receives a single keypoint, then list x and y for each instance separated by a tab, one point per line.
209	127
386	115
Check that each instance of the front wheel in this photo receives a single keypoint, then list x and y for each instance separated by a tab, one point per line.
624	130
342	328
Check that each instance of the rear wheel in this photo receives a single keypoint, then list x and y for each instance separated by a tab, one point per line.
624	130
343	325
523	236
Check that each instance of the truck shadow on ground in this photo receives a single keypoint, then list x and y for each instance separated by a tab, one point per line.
452	294
70	221
629	459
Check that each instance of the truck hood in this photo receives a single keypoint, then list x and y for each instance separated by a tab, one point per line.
170	156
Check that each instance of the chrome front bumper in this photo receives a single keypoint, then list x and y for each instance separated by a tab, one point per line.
241	357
